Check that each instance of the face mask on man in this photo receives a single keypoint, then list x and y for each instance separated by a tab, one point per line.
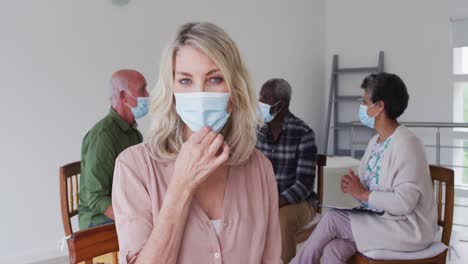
265	111
142	106
366	120
203	109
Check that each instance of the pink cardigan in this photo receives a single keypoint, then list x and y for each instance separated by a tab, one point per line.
250	231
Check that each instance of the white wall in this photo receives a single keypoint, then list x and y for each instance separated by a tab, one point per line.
415	36
57	56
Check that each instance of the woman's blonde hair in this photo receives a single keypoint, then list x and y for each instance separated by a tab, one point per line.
240	131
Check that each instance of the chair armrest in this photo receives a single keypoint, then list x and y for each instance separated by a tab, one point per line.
89	243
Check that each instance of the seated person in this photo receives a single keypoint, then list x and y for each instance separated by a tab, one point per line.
393	176
289	143
104	142
198	191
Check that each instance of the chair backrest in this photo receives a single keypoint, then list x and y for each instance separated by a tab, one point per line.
69	193
445	199
84	245
321	162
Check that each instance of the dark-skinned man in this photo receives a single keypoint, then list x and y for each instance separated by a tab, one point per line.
289	143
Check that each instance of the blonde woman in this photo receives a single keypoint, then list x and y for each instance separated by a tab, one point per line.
197	191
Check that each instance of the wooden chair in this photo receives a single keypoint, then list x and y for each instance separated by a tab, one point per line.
69	194
440	176
87	244
70	197
302	235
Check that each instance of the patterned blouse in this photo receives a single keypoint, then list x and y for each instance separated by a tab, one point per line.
370	177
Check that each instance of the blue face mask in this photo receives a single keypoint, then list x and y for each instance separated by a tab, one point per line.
264	111
142	106
368	121
203	109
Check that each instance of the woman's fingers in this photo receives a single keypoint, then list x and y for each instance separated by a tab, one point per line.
213	148
223	157
342	181
350	178
343	186
209	138
345	189
350	183
198	136
347	179
345	182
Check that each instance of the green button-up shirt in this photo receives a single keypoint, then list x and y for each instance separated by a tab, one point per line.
101	146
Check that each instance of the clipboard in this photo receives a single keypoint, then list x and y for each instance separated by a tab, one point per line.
358	209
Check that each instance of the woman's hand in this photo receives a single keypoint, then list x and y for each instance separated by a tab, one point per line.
199	157
351	184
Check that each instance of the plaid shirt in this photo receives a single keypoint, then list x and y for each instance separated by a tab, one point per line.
294	157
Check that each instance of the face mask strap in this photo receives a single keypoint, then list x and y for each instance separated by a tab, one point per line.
135	97
277	110
374	104
125	91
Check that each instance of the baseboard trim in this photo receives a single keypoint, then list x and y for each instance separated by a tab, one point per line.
38	256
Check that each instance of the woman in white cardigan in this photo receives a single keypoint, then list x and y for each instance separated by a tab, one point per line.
393	176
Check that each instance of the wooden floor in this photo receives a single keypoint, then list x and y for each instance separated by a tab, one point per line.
459	233
461	248
64	260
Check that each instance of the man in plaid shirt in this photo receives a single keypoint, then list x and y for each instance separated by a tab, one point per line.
289	143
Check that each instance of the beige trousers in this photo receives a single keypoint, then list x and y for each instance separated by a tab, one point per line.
292	218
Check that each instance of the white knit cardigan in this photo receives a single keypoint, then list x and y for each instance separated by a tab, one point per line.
406	195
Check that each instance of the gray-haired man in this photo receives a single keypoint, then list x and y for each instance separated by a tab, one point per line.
104	142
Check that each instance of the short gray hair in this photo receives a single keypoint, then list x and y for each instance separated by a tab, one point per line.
116	84
280	87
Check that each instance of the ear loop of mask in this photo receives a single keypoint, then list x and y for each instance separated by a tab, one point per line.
229	113
230	101
130	94
374	105
277	110
127	93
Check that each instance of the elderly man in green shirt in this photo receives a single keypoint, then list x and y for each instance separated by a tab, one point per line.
104	142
